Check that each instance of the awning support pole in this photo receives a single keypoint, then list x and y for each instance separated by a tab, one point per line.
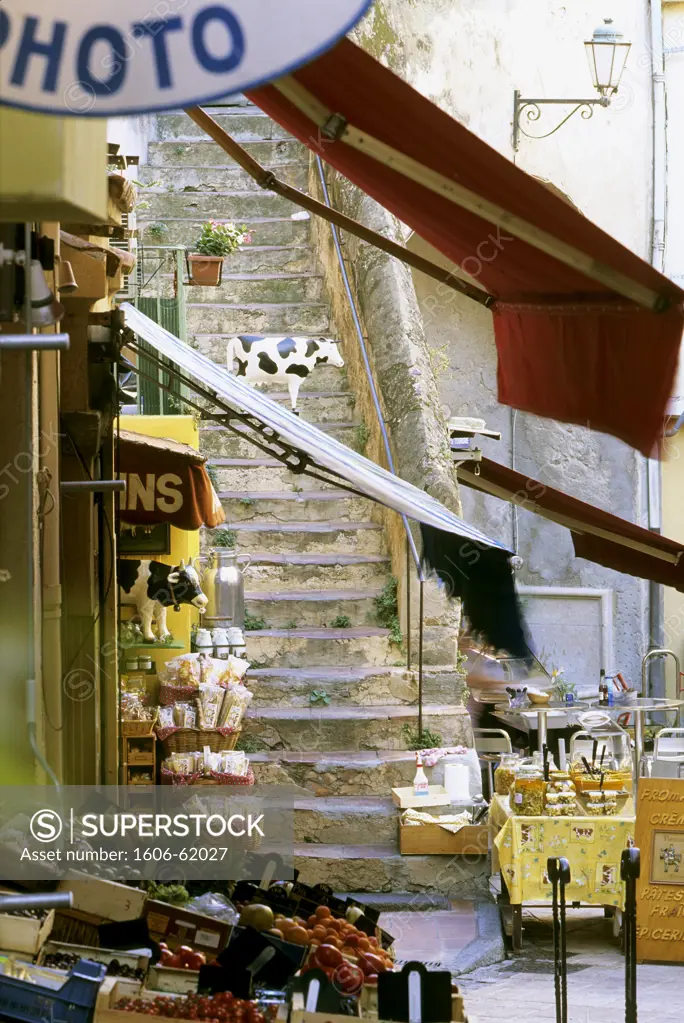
265	179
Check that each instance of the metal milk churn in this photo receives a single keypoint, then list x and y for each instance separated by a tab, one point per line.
224	584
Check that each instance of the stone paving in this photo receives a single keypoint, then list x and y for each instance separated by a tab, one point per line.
511	991
521	987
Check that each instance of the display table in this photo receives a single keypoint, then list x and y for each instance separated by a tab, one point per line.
592	845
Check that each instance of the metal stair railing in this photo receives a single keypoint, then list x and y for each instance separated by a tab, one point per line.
411	549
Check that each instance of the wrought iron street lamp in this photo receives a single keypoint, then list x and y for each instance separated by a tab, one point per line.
607	54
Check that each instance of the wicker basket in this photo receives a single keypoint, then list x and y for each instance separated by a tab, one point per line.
170	693
188	740
216	778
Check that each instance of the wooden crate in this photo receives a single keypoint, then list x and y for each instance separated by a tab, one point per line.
431	840
178	926
106	899
23	934
97	955
406	799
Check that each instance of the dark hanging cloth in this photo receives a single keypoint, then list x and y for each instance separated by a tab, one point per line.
482	578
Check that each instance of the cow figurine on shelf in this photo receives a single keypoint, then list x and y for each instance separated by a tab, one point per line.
287	359
152	586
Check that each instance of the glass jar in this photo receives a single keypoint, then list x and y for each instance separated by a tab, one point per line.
529	789
505	773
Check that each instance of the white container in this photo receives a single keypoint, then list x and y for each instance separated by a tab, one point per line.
220	640
457	782
203	642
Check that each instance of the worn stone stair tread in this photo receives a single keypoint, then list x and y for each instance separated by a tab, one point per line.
347	424
346	804
335	758
284	495
368	713
312	595
308	274
324	673
360	633
294	558
302	527
346	852
258	306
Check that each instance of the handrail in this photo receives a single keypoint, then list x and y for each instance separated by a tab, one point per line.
410	542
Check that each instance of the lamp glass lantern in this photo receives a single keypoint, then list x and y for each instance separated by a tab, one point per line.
607	54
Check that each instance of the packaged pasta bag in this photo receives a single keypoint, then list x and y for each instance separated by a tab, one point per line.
166	717
209	705
183	670
184	715
235	702
233	670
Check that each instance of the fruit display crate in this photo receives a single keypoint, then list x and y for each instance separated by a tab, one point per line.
111	958
25	934
73	1002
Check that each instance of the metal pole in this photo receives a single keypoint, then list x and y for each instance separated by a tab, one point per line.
421	610
630	869
409	656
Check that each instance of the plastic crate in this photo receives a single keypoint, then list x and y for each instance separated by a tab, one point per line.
74	1002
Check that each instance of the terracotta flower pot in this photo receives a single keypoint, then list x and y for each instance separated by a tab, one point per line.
205	270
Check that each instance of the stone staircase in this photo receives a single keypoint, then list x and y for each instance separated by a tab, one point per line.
333	704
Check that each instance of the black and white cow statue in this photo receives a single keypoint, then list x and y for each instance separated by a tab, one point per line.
288	359
152	586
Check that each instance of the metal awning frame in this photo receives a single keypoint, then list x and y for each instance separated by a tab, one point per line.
292	458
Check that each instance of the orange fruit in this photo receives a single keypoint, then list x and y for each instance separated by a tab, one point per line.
352	941
319	932
364	944
313	920
298	936
322	912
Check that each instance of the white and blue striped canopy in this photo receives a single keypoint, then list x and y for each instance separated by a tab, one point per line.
360	472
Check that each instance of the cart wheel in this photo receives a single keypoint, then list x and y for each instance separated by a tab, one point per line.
516	936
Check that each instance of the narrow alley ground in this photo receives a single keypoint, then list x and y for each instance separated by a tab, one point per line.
521	988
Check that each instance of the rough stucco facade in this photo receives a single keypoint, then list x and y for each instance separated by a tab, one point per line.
469	58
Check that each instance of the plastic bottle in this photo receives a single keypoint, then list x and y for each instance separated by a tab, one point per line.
420	782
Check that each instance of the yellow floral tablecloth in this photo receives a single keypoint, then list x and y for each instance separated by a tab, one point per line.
593	847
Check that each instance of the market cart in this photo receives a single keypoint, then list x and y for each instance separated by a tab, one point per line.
521	847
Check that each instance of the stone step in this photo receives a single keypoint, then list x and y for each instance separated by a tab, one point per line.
260	474
260	288
258	258
185	231
273	512
267	318
350	728
217	442
380	868
236	206
314	608
222	178
335	773
274	537
317	406
204	152
295	648
269	572
345	820
243	125
362	686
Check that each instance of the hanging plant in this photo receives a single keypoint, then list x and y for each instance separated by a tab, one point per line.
217	240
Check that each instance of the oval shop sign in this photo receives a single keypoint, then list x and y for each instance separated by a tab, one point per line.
112	57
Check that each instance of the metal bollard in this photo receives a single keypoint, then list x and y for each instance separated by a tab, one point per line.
630	868
558	870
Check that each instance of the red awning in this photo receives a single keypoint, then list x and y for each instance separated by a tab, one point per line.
597	535
586	331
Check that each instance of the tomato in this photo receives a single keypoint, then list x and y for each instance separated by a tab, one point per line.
371	963
349	978
371	978
328	955
195	961
352	940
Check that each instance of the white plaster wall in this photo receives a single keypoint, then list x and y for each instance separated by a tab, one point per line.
673	39
469	56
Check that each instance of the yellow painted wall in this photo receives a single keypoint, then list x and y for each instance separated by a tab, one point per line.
673	526
52	168
185	544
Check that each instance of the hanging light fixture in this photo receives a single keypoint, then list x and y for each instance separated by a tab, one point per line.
607	53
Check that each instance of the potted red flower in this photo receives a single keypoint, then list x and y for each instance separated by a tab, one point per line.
218	240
